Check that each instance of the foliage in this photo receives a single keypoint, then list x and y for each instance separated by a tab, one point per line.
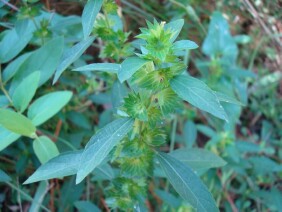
107	118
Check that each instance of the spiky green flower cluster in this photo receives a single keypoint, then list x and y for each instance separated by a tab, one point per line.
158	41
109	28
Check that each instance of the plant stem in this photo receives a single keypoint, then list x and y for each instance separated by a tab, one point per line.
10	5
26	195
193	16
3	88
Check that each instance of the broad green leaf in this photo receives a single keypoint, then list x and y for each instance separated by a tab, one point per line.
226	98
198	159
47	106
101	144
198	94
190	133
104	67
219	41
25	91
184	44
21	26
175	27
7	137
86	206
16	123
89	14
187	184
4	177
41	191
45	149
71	55
63	165
12	44
14	66
44	59
129	66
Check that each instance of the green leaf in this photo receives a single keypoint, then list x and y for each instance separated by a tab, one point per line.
198	159
47	106
14	66
101	144
45	149
175	27
71	55
89	14
44	59
226	98
4	177
104	67
129	66
184	44
86	206
168	198
25	91
16	123
41	191
12	44
63	165
7	137
187	184
219	41
190	133
198	94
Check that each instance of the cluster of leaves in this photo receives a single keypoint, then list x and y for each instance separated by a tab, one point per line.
131	97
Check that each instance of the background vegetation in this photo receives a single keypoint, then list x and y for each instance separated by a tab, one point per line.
239	55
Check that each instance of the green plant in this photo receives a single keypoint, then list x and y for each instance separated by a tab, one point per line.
128	88
130	142
156	79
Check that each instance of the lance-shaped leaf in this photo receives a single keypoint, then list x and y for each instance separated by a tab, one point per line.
129	66
12	44
25	91
47	106
4	177
198	159
104	67
187	183
16	123
63	165
184	44
229	99
89	14
71	55
101	144
198	94
7	137
45	59
175	27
